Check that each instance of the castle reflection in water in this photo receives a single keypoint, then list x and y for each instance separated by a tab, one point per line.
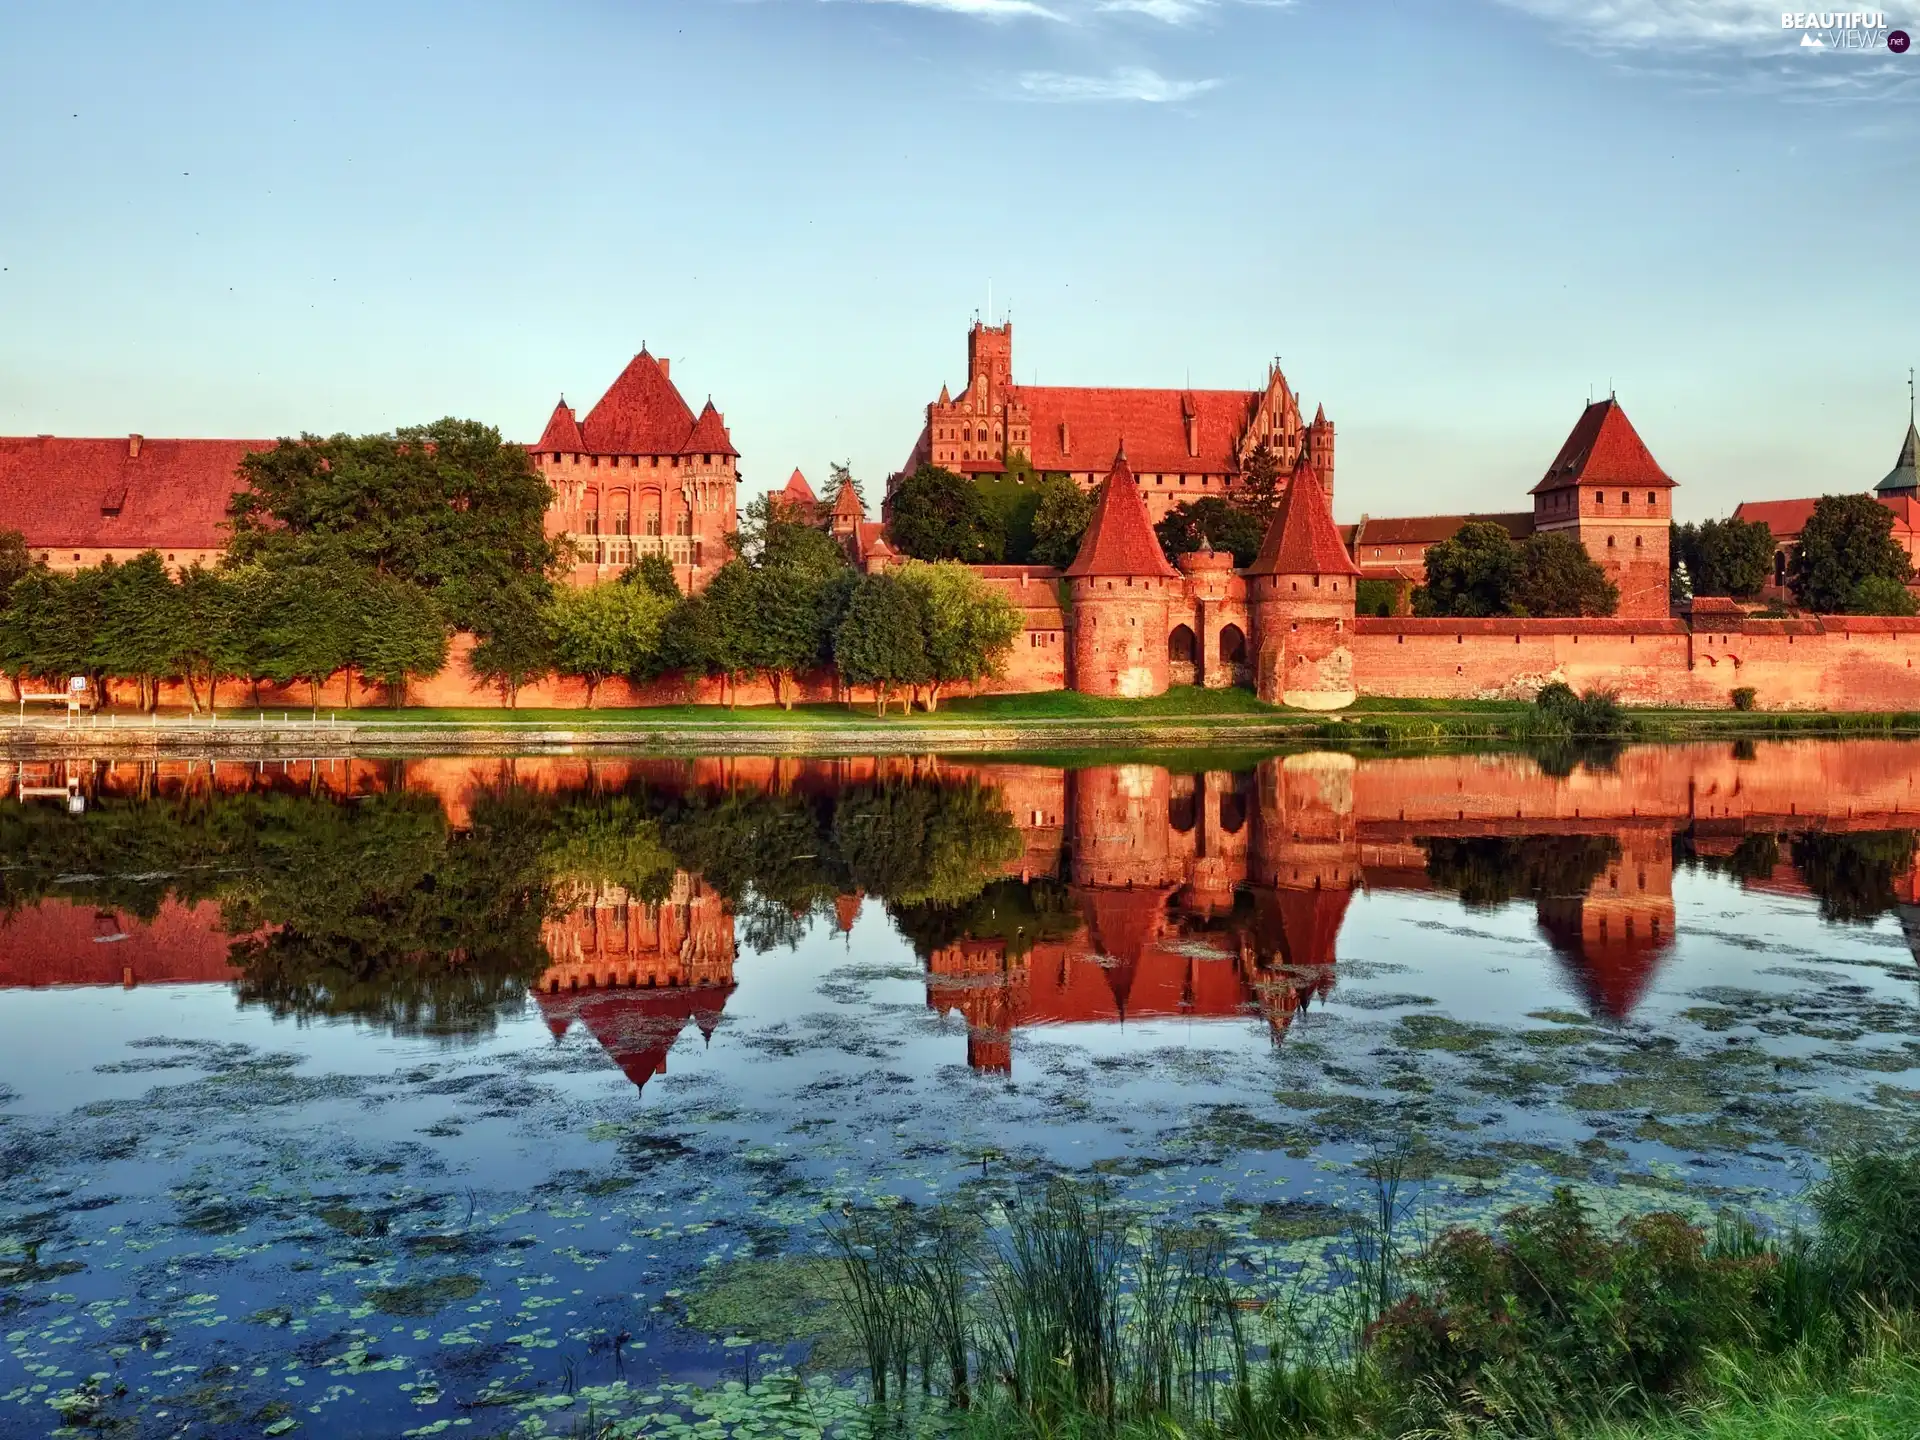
1136	892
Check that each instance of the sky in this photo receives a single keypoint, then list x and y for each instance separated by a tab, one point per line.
1453	221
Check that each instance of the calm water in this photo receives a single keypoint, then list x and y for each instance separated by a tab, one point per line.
455	1096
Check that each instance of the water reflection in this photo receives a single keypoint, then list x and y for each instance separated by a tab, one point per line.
431	896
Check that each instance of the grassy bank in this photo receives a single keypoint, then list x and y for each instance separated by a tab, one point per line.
1067	1316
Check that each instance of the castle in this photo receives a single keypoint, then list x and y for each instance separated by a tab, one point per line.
644	474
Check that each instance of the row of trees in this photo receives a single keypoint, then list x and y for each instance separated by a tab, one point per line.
1483	571
1847	560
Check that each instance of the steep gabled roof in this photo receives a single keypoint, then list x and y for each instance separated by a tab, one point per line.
1905	474
1303	540
1119	538
1604	449
847	505
709	435
1152	422
798	491
641	414
159	494
562	435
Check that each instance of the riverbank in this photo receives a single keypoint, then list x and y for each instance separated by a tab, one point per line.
1049	723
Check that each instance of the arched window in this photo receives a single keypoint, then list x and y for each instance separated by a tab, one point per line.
1233	645
1180	645
622	512
649	512
590	505
1637	542
1609	542
983	433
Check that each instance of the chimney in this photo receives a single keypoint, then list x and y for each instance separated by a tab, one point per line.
133	447
666	368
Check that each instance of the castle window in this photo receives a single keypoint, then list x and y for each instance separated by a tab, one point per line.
983	433
1650	499
656	462
1636	542
1625	499
1609	542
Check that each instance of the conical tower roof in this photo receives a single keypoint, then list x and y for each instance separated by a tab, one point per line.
562	434
1904	478
1120	538
1303	540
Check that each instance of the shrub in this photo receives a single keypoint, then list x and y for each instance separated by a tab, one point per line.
1743	697
1869	1210
1552	1307
1593	714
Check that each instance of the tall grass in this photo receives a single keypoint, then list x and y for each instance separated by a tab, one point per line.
1068	1315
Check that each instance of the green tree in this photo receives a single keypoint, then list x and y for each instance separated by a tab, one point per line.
654	572
45	631
209	639
725	624
1060	515
1848	539
15	561
769	537
1557	577
139	638
1882	595
1725	557
1376	597
309	622
402	634
1224	527
1472	574
515	647
938	515
881	641
967	626
1262	487
450	507
605	630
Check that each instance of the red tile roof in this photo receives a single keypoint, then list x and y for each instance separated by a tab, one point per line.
1432	529
1302	540
562	435
798	491
1787	518
1152	423
172	494
1119	538
641	414
847	505
709	435
636	1027
1604	449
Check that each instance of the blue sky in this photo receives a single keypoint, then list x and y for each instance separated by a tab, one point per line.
1451	219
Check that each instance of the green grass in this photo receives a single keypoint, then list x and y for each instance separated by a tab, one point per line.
1878	1399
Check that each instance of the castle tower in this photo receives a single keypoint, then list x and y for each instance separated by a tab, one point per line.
1121	583
1319	452
1616	935
1305	866
1605	490
1300	588
1904	478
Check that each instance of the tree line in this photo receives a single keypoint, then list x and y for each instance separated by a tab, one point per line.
1846	560
360	556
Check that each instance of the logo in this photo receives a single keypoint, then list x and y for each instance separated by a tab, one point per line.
1843	29
1898	42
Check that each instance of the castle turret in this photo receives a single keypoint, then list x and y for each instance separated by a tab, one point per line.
1606	491
1301	591
1121	583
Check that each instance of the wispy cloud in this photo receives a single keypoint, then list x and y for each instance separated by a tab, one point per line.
982	9
1168	12
1129	83
1721	45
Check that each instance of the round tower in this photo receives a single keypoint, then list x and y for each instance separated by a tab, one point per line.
1120	588
1300	589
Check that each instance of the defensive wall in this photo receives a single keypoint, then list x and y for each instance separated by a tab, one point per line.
1833	662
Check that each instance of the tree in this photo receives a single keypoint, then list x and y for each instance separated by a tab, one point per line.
1222	526
1261	485
967	627
881	641
515	647
402	634
139	636
655	572
15	561
605	630
210	638
725	620
309	622
938	515
44	632
1557	577
1848	539
1680	586
1472	574
450	507
769	536
1882	595
1060	518
1725	557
